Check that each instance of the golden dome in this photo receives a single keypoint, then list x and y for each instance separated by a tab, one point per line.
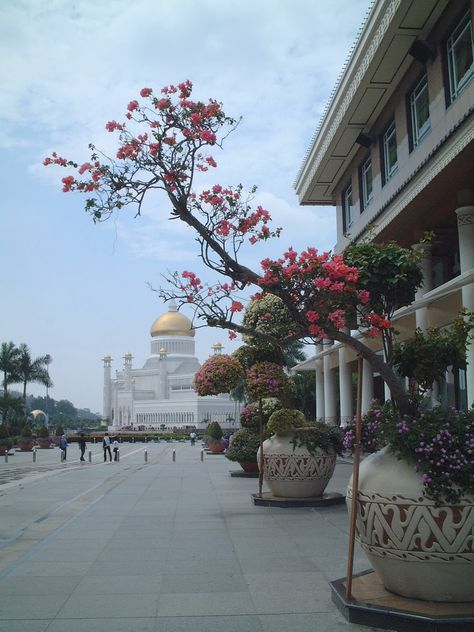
172	324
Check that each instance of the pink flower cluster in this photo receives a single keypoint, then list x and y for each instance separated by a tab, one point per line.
218	374
325	288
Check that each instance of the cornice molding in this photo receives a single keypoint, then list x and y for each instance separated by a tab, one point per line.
348	96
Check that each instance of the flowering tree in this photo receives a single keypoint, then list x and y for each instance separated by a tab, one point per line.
322	292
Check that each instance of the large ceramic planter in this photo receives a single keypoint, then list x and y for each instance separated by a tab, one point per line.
293	472
419	550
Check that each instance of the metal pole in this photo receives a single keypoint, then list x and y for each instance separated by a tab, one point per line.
174	455
202	455
90	456
260	473
146	456
6	456
355	482
118	455
34	455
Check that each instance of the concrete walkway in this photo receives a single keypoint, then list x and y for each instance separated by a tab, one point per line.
162	546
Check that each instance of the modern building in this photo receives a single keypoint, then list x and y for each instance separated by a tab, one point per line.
161	394
394	154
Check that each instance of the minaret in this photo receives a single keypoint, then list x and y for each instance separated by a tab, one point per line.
163	392
106	410
128	368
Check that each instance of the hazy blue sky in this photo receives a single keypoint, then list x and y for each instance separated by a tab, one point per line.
78	290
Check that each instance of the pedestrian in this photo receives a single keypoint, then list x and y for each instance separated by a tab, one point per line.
63	447
106	446
115	449
193	437
82	446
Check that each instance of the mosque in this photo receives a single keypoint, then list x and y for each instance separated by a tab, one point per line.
160	395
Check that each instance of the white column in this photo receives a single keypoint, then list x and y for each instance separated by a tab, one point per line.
319	389
107	403
329	392
466	256
421	314
345	389
367	386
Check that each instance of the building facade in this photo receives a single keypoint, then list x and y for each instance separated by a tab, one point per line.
160	395
394	154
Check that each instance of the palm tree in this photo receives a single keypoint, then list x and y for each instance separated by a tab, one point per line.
29	370
9	354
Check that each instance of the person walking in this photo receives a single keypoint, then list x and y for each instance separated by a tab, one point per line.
115	449
82	446
63	447
106	446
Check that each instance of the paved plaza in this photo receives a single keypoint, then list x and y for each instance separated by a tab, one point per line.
162	546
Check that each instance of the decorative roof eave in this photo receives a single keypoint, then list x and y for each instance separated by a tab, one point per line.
385	22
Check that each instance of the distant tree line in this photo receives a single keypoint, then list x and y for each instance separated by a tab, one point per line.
17	366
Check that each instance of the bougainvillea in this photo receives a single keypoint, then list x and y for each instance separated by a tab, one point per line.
218	374
266	379
164	142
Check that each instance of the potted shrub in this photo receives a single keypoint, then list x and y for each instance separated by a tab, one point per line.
25	443
416	501
215	441
243	449
5	440
43	438
299	459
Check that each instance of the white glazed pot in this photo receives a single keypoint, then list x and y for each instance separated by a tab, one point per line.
419	550
293	472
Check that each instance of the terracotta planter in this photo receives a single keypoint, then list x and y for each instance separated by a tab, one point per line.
249	466
419	550
44	442
25	445
293	472
4	447
216	445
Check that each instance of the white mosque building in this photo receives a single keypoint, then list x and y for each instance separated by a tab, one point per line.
161	395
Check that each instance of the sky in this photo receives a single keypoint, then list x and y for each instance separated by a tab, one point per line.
79	290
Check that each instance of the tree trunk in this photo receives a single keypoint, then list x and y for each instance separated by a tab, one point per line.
393	381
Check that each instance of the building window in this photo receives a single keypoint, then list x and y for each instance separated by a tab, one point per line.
419	107
366	187
347	217
460	56
389	152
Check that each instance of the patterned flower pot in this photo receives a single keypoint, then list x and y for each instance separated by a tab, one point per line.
419	550
293	472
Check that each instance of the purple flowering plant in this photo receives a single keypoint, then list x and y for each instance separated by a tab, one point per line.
266	379
438	443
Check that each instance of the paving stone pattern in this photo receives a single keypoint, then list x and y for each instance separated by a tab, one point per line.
162	546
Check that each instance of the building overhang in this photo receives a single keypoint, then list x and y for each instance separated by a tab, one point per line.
391	39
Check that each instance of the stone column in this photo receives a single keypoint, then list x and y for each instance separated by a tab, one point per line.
345	388
367	386
319	389
329	392
421	315
466	258
107	401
